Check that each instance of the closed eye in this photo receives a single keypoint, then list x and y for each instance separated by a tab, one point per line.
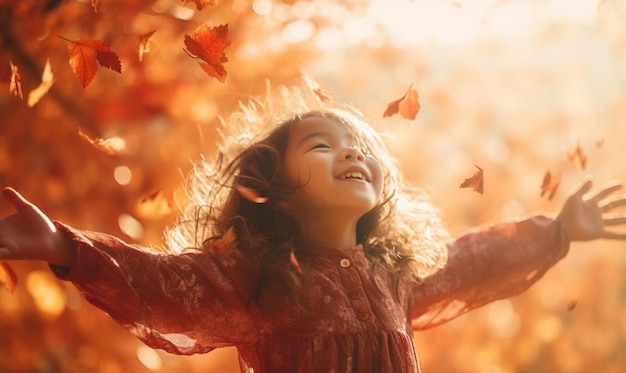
320	146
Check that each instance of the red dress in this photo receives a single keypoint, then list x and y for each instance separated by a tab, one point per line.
357	319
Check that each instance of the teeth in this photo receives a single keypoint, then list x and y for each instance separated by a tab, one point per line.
352	175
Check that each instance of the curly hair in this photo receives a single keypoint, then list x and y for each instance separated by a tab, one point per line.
403	232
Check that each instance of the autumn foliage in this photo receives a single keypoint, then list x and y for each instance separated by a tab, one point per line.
104	105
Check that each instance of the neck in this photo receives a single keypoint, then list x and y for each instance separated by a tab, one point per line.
331	231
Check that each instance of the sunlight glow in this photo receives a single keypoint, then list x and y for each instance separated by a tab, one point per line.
422	21
149	358
46	292
130	226
122	175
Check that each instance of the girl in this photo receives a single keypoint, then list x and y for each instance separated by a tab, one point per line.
305	250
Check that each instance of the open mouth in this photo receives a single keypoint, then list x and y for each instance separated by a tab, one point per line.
353	175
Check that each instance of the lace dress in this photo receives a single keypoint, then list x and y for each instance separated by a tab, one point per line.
354	319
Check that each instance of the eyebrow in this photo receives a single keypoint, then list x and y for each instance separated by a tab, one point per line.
317	134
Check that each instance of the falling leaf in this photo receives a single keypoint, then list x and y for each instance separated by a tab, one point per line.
220	245
206	44
200	4
250	194
85	53
571	305
322	94
7	276
578	156
156	204
599	143
550	184
475	182
111	146
15	85
47	80
145	45
294	262
407	106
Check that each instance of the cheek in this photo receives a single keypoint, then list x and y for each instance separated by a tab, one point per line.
377	176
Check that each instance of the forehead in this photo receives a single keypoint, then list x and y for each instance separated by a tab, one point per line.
318	125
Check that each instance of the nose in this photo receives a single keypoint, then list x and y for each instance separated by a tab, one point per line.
353	152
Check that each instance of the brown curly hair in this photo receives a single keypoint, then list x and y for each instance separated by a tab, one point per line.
403	232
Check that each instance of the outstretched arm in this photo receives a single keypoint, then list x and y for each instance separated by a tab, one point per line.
499	260
30	235
586	216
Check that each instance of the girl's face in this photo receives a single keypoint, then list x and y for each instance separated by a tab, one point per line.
333	175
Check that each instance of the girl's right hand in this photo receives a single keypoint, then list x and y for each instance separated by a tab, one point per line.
28	234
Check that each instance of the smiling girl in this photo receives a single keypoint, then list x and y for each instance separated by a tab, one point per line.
303	248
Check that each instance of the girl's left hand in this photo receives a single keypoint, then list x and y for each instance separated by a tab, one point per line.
585	216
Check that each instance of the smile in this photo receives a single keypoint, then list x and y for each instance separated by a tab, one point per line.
353	175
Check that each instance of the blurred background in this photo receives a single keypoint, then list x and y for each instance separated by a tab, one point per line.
512	86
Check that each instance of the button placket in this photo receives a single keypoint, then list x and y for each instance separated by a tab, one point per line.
353	286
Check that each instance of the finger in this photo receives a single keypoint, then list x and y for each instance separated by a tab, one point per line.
584	188
14	199
613	203
614	220
606	190
613	236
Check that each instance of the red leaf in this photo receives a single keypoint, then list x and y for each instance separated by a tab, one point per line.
476	182
200	4
206	44
85	53
15	85
407	106
550	184
7	276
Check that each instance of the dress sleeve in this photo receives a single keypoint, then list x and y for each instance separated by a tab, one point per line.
183	304
490	262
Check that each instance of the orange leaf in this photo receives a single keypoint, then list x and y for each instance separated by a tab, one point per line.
85	53
476	182
599	143
250	195
7	276
550	184
206	44
407	106
15	85
322	94
145	45
111	146
156	204
47	80
222	244
294	262
200	4
571	305
578	156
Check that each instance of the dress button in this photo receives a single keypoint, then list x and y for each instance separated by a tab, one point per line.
345	263
364	316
